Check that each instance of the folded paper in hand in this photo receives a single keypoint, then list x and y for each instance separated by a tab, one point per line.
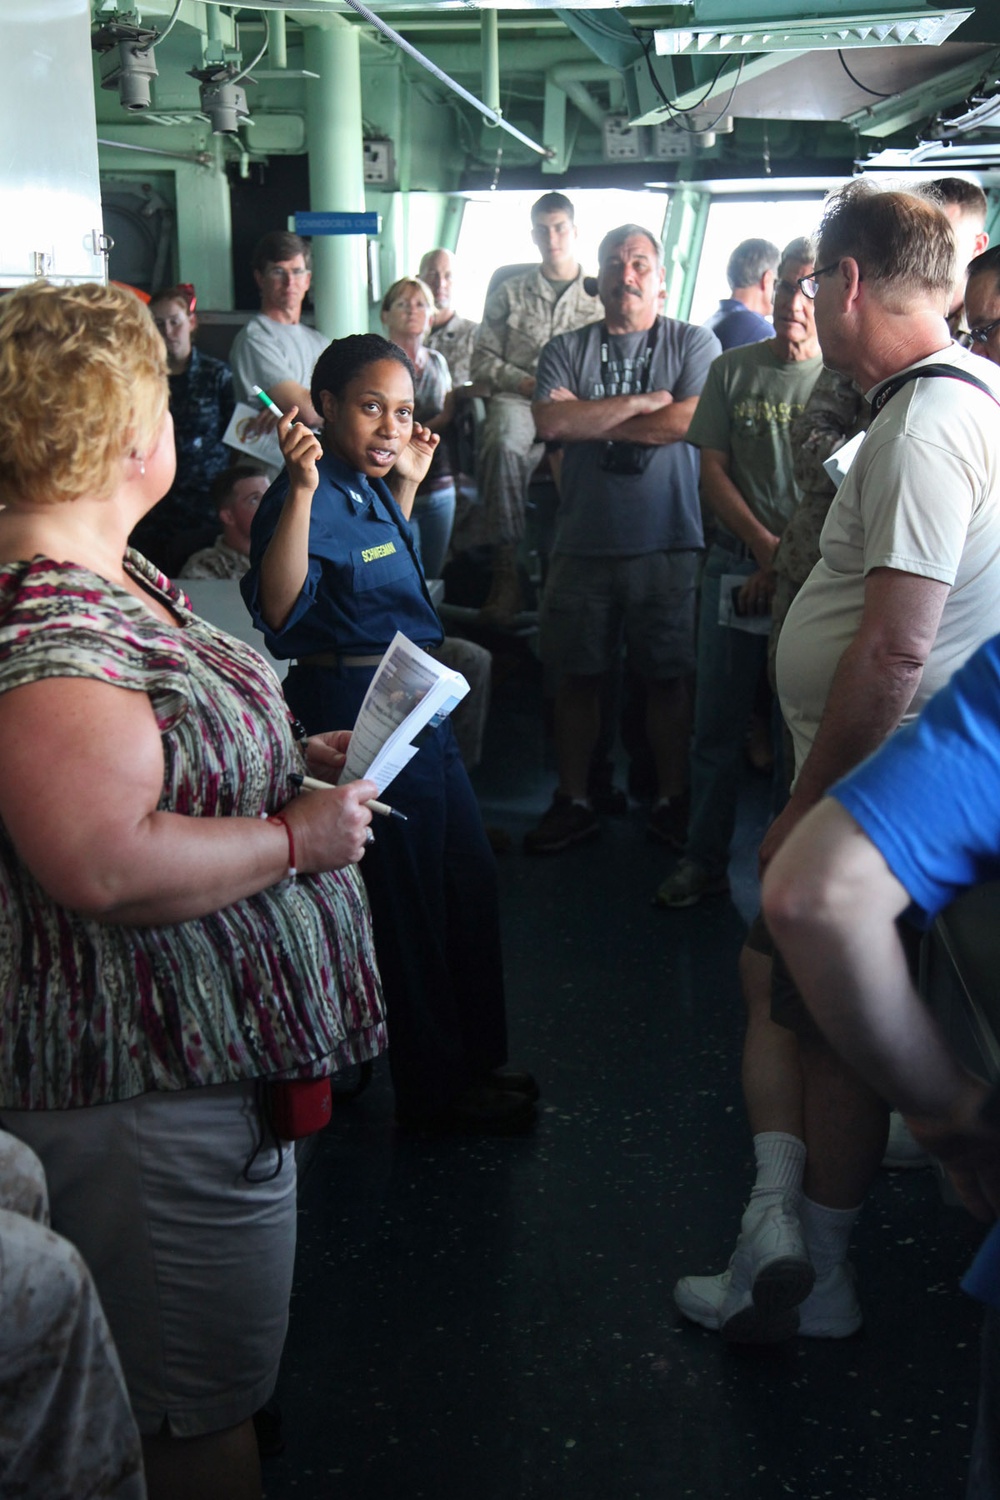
242	435
409	690
729	584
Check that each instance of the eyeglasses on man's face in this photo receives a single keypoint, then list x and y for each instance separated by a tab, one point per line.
286	273
981	335
809	285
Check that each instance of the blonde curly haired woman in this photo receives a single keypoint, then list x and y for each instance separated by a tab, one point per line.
178	925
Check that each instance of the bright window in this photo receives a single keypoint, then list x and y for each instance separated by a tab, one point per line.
776	219
496	231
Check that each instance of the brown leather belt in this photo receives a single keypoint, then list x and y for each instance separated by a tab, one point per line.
332	659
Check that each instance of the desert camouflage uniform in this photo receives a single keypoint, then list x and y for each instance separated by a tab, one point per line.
218	561
836	410
455	340
521	316
66	1428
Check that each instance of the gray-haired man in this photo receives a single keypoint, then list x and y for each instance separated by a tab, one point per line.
619	396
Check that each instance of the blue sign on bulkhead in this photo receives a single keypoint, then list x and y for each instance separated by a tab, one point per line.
327	223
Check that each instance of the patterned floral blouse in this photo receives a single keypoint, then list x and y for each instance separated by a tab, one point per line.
280	984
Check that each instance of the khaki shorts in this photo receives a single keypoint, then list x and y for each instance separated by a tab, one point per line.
788	1009
591	603
193	1263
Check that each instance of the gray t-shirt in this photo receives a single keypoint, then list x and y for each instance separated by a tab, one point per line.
265	353
604	514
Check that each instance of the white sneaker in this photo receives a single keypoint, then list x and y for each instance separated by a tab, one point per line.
755	1299
832	1309
723	1305
901	1149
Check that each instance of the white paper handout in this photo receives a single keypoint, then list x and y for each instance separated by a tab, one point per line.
410	689
838	464
263	446
752	624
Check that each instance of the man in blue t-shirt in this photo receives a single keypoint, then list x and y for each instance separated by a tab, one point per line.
618	396
906	832
743	316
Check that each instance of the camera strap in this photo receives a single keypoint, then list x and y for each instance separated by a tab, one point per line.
944	372
647	357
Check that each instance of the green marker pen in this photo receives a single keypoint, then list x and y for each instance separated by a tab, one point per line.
265	398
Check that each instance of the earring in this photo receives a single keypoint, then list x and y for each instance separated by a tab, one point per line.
140	459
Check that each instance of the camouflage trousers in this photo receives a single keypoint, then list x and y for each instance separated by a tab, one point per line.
507	454
66	1428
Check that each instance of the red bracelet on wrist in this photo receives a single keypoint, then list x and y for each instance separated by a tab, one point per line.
277	818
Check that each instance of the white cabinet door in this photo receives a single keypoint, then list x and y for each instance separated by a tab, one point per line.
50	195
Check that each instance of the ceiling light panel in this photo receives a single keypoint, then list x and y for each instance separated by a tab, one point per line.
902	28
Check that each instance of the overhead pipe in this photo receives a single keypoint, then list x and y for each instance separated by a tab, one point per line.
491	115
278	47
489	37
571	76
336	172
198	159
565	80
312	8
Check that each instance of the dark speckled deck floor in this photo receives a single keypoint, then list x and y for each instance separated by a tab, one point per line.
492	1320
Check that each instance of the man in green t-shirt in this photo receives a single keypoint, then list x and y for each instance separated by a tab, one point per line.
747	482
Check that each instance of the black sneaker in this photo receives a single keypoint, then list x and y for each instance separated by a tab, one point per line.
513	1082
604	797
565	823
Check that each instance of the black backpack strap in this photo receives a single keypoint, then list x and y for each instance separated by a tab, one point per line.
945	372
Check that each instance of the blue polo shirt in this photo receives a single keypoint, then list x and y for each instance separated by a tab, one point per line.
364	581
929	800
734	325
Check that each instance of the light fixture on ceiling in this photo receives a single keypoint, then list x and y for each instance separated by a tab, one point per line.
938	155
223	99
126	59
977	113
897	28
219	80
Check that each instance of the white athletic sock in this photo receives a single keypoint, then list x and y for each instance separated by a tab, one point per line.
781	1160
827	1233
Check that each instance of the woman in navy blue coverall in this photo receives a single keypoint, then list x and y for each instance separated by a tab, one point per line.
334	574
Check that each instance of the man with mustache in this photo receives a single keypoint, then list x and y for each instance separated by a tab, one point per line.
619	397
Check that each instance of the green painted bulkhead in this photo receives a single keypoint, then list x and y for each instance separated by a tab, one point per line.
340	119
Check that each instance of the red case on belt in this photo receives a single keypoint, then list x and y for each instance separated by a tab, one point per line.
300	1107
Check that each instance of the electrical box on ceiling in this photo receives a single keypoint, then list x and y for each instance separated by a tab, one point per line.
622	141
670	141
379	164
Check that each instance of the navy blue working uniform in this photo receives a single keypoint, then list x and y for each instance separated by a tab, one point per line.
201	404
432	880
